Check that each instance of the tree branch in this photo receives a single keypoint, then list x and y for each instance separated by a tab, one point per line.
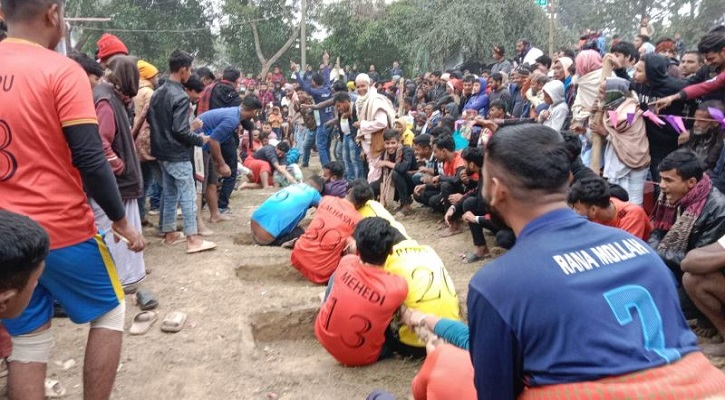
286	46
257	45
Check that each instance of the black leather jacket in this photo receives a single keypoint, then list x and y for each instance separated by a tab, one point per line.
168	116
709	227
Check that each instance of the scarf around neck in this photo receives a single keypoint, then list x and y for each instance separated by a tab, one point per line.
679	227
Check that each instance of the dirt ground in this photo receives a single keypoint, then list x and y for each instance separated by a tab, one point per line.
250	333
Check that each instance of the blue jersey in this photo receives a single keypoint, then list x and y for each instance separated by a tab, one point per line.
573	301
320	94
284	210
221	123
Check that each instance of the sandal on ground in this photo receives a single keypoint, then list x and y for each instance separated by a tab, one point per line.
174	322
146	299
205	245
53	389
142	322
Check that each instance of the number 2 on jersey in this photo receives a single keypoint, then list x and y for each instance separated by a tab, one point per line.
8	163
624	299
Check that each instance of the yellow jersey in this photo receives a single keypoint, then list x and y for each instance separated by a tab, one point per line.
374	209
430	288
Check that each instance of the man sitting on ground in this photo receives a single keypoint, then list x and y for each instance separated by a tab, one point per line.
689	214
362	299
704	282
261	164
452	179
616	288
423	150
22	261
590	198
430	288
396	161
335	183
318	252
275	222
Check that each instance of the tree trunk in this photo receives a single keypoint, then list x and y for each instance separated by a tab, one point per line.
267	63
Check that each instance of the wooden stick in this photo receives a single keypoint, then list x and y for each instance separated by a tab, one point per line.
598	116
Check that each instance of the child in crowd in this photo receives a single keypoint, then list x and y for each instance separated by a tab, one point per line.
558	111
363	298
318	252
335	183
396	161
274	119
406	134
275	222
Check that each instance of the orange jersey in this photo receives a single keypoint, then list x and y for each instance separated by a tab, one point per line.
42	92
450	167
352	322
631	218
447	373
318	252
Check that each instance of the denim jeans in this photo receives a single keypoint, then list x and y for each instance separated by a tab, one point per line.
151	173
351	159
307	146
322	139
300	134
229	152
179	188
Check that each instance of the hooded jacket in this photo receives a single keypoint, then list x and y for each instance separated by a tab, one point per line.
479	101
662	139
558	110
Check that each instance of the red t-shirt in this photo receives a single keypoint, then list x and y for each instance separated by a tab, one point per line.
41	92
318	252
450	167
351	324
447	373
631	218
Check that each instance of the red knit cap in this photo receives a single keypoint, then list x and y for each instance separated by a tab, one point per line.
109	45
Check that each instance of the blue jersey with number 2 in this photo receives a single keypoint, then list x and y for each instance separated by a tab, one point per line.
284	210
573	301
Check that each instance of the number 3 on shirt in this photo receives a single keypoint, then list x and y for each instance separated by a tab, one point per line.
8	163
624	299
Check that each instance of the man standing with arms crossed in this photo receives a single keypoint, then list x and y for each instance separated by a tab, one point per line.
49	150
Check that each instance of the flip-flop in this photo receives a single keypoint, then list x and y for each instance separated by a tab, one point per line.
53	389
204	247
142	322
180	239
146	299
174	322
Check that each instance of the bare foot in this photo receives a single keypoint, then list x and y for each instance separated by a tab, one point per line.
174	238
214	219
247	185
714	349
704	332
